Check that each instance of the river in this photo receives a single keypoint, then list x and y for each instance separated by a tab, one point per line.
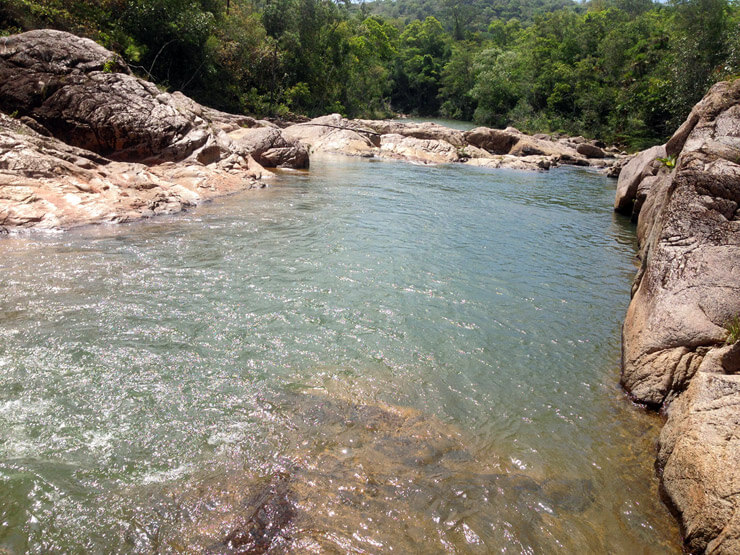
368	357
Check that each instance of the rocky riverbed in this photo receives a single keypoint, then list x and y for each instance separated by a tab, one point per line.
82	141
679	352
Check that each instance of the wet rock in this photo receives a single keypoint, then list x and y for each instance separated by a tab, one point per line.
686	292
266	521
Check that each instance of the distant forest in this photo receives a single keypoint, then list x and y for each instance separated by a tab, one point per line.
626	71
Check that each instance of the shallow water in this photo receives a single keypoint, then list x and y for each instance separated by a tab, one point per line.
369	357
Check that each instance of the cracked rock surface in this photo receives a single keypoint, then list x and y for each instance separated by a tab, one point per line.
687	291
89	143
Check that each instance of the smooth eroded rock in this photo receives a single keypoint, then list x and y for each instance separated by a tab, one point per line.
685	294
632	173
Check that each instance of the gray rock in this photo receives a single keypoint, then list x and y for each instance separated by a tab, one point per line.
699	452
494	141
589	151
639	167
686	291
84	95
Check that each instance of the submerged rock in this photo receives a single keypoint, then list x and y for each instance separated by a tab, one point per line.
685	295
360	477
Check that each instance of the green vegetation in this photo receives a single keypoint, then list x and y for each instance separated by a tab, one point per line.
668	161
733	330
627	71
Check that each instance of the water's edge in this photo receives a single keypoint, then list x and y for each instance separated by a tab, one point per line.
329	302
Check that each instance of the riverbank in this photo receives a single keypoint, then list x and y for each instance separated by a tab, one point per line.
680	351
430	143
84	141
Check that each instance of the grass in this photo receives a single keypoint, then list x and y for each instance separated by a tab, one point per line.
733	330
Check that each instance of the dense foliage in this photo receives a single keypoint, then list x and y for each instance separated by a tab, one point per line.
624	70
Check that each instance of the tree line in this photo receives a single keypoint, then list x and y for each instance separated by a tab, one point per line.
627	71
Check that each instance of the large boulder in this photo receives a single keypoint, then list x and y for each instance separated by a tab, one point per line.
699	452
426	151
424	130
269	147
638	168
84	95
590	151
90	143
48	184
686	293
494	141
335	134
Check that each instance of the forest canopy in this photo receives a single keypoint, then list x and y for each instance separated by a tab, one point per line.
626	71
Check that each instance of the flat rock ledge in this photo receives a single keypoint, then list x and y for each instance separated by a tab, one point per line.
83	141
679	350
430	143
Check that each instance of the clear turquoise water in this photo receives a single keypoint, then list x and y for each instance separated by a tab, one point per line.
154	376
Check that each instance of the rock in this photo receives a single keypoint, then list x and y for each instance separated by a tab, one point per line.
686	291
526	147
527	163
424	130
589	151
47	184
643	190
699	451
84	95
335	134
429	143
94	144
642	165
427	151
494	141
349	467
269	147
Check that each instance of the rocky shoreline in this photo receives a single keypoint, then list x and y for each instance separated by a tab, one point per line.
430	143
84	141
680	349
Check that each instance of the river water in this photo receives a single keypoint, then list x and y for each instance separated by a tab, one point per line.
370	357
